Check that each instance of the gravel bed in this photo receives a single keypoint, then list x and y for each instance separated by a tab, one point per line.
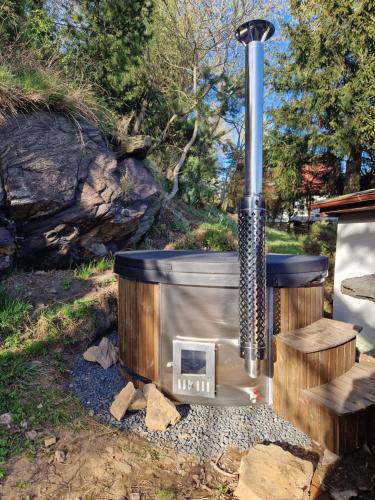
203	430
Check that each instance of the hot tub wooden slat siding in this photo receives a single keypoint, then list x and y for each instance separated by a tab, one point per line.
138	313
300	307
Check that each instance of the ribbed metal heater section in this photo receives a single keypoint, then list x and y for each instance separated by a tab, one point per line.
252	300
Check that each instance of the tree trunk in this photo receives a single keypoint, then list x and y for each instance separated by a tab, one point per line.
176	171
140	117
353	172
180	163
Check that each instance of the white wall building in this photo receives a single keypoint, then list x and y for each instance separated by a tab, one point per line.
355	257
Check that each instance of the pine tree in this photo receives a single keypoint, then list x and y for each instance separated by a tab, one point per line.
325	81
105	39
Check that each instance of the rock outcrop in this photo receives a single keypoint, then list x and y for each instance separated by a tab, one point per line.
63	194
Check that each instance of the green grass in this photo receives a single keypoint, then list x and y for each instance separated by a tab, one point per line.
30	368
13	313
27	83
84	271
79	309
22	395
278	241
87	270
25	392
103	264
164	495
67	283
218	231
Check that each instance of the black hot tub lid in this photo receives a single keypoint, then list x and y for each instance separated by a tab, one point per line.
206	268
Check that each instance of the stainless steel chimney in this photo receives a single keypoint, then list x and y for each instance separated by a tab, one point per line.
252	210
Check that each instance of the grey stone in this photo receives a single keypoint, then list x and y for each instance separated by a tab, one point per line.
106	354
361	287
343	494
6	419
32	435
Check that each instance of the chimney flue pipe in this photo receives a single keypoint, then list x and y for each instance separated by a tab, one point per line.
252	210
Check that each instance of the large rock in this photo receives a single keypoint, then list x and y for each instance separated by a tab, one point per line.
160	411
122	401
270	473
63	194
107	353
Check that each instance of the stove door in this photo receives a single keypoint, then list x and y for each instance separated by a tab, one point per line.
194	368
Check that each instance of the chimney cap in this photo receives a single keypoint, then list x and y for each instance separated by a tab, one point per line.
257	30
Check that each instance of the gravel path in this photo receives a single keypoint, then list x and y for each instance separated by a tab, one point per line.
203	430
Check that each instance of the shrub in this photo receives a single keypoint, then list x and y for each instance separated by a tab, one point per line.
321	240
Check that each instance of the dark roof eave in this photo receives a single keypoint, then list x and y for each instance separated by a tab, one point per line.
356	202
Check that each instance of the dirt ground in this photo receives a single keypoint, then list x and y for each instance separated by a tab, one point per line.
102	463
46	288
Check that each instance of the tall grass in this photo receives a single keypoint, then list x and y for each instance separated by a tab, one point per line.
13	313
88	269
28	84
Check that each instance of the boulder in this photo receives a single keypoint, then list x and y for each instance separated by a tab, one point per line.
122	401
161	412
106	354
137	182
271	473
61	189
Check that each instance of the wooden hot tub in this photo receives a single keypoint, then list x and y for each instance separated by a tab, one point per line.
185	303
